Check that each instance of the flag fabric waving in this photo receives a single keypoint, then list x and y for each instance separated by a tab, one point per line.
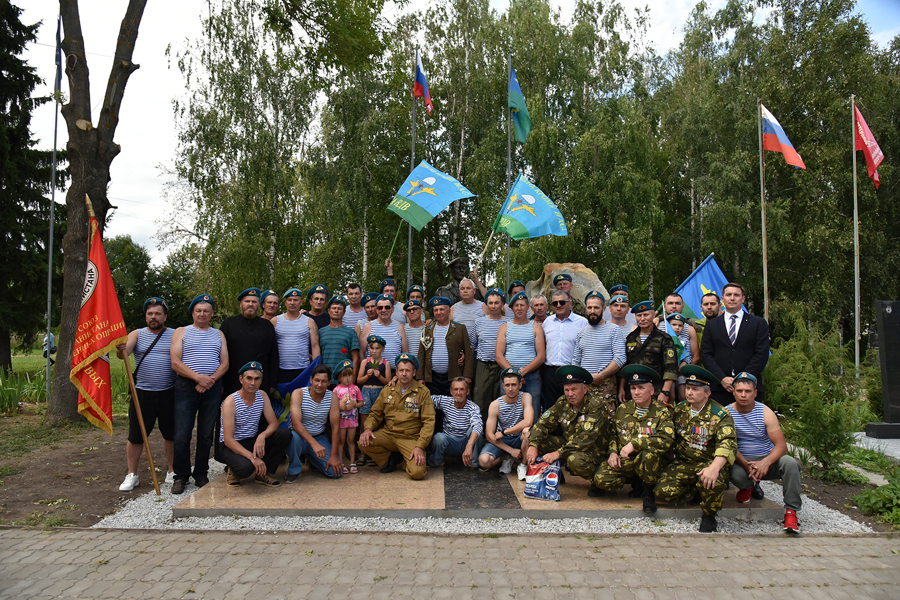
706	278
100	329
527	213
521	119
776	140
865	141
425	193
420	86
675	339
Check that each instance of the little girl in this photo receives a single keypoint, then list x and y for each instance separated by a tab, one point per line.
374	374
349	399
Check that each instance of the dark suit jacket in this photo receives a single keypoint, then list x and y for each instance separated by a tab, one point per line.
750	351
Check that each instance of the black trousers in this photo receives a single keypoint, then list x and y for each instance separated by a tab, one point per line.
276	448
551	388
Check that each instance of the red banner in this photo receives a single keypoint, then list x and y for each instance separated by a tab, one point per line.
865	141
100	329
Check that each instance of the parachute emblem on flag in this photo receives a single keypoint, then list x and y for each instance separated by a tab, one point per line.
420	188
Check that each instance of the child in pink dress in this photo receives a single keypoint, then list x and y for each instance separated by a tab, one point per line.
349	400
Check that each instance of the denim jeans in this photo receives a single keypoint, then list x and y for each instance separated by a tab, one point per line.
299	447
513	441
190	405
532	385
442	444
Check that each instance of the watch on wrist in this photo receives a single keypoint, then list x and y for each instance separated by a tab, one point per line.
666	392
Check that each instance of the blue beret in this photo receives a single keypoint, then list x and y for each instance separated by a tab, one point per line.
618	298
495	291
266	294
156	301
745	376
337	299
201	298
574	374
251	366
412	304
439	301
385	283
639	374
370	297
510	372
515	283
415	288
376	339
344	364
293	292
518	296
642	306
387	297
562	277
676	317
405	356
252	291
594	294
619	287
317	289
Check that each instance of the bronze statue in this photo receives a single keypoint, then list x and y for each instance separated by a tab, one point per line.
459	270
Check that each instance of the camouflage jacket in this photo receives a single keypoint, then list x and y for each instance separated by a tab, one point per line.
654	431
702	438
657	352
582	429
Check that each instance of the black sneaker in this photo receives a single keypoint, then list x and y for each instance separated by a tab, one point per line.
757	493
708	523
393	462
649	499
178	486
595	492
291	478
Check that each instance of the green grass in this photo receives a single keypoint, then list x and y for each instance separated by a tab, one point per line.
874	461
30	363
8	470
44	519
22	438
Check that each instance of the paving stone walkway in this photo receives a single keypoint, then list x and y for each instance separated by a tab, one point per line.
91	563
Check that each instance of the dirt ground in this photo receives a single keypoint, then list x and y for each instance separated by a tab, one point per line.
76	481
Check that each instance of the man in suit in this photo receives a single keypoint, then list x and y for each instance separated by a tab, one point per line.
734	342
445	351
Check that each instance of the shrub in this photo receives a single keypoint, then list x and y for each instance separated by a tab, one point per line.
882	501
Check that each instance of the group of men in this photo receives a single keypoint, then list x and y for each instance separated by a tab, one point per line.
183	376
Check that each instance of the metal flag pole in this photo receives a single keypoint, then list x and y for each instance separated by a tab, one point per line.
508	156
57	86
412	165
762	204
856	336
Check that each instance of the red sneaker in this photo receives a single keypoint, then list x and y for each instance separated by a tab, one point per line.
791	524
743	496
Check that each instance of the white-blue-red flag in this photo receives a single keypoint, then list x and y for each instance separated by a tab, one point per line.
776	140
420	86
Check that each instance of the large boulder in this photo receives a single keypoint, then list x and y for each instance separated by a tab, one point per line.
583	281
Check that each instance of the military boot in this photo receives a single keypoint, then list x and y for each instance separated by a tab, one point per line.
708	523
649	499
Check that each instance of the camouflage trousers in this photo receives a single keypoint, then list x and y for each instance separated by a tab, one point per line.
607	394
583	464
643	465
680	480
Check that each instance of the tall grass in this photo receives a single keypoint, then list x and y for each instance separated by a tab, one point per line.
11	391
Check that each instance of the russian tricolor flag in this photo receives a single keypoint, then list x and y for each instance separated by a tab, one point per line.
776	140
420	87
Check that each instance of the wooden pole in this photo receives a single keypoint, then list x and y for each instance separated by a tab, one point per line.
140	416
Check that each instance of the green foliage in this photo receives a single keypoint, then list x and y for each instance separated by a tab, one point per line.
882	501
12	391
871	385
874	461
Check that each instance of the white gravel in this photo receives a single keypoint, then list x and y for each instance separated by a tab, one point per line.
150	511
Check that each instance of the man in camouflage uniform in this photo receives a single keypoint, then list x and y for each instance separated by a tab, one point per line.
583	422
657	351
705	449
643	434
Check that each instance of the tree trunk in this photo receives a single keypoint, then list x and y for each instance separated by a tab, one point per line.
91	151
5	351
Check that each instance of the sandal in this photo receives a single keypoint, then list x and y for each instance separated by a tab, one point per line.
267	481
232	479
344	471
353	468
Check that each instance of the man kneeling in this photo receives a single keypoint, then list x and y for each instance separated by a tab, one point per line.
461	437
508	423
243	450
762	451
643	434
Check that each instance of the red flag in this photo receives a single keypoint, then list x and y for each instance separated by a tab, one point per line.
865	141
100	329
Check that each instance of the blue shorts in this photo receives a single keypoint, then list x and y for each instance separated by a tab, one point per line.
513	441
370	395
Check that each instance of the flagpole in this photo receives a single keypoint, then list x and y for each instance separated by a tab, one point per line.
855	233
57	85
762	204
508	158
412	165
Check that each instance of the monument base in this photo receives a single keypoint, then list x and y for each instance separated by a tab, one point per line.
883	431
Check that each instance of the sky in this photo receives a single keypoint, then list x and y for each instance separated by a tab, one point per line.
146	131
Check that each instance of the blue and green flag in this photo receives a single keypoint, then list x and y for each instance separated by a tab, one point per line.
521	119
527	212
425	193
706	278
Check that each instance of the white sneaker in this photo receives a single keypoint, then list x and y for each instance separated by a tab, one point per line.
506	465
521	470
170	477
131	482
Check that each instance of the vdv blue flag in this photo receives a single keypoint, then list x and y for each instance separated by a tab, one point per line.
527	213
425	193
706	278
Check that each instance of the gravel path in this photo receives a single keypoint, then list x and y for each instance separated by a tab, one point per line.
150	511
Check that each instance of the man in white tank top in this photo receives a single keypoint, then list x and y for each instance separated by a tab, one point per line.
758	430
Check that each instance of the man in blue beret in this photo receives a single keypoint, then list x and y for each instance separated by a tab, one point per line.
270	304
622	316
388	287
297	336
650	347
337	341
318	296
200	359
369	304
250	338
393	332
155	381
445	351
414	324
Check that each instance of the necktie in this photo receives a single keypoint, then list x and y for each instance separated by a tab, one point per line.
732	329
